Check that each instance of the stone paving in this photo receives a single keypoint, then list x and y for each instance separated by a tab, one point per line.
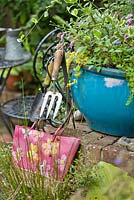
98	146
95	146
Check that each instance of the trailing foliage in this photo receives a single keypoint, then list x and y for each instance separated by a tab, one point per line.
102	37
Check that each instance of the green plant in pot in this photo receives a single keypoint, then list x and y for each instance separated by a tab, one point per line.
103	76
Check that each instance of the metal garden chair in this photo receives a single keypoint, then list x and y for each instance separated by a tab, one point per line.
22	108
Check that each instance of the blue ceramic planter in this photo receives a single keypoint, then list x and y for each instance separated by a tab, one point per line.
101	97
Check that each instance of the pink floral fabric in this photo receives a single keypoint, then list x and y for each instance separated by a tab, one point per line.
34	150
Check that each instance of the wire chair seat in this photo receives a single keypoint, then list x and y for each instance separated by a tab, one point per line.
18	107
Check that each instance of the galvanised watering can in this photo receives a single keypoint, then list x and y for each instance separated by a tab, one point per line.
14	50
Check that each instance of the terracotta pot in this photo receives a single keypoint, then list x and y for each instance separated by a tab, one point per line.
12	80
10	83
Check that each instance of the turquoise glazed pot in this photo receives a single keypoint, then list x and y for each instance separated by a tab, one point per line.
101	97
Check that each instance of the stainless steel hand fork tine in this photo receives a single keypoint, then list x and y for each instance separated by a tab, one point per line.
52	102
58	103
52	97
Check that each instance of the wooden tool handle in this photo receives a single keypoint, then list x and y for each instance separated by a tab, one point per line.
47	80
58	56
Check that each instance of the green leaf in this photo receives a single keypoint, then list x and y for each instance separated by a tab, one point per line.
34	20
97	33
118	50
95	193
87	38
21	38
99	69
59	20
74	12
77	68
97	49
81	49
90	67
108	178
109	19
106	5
46	13
71	1
106	61
77	74
68	9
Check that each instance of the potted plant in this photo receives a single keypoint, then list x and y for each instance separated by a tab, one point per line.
103	76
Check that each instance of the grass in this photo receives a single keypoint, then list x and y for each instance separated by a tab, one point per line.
101	182
21	185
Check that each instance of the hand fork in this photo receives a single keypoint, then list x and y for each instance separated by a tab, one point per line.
55	98
52	99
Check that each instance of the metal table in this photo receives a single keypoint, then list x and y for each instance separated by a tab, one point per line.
5	68
7	65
